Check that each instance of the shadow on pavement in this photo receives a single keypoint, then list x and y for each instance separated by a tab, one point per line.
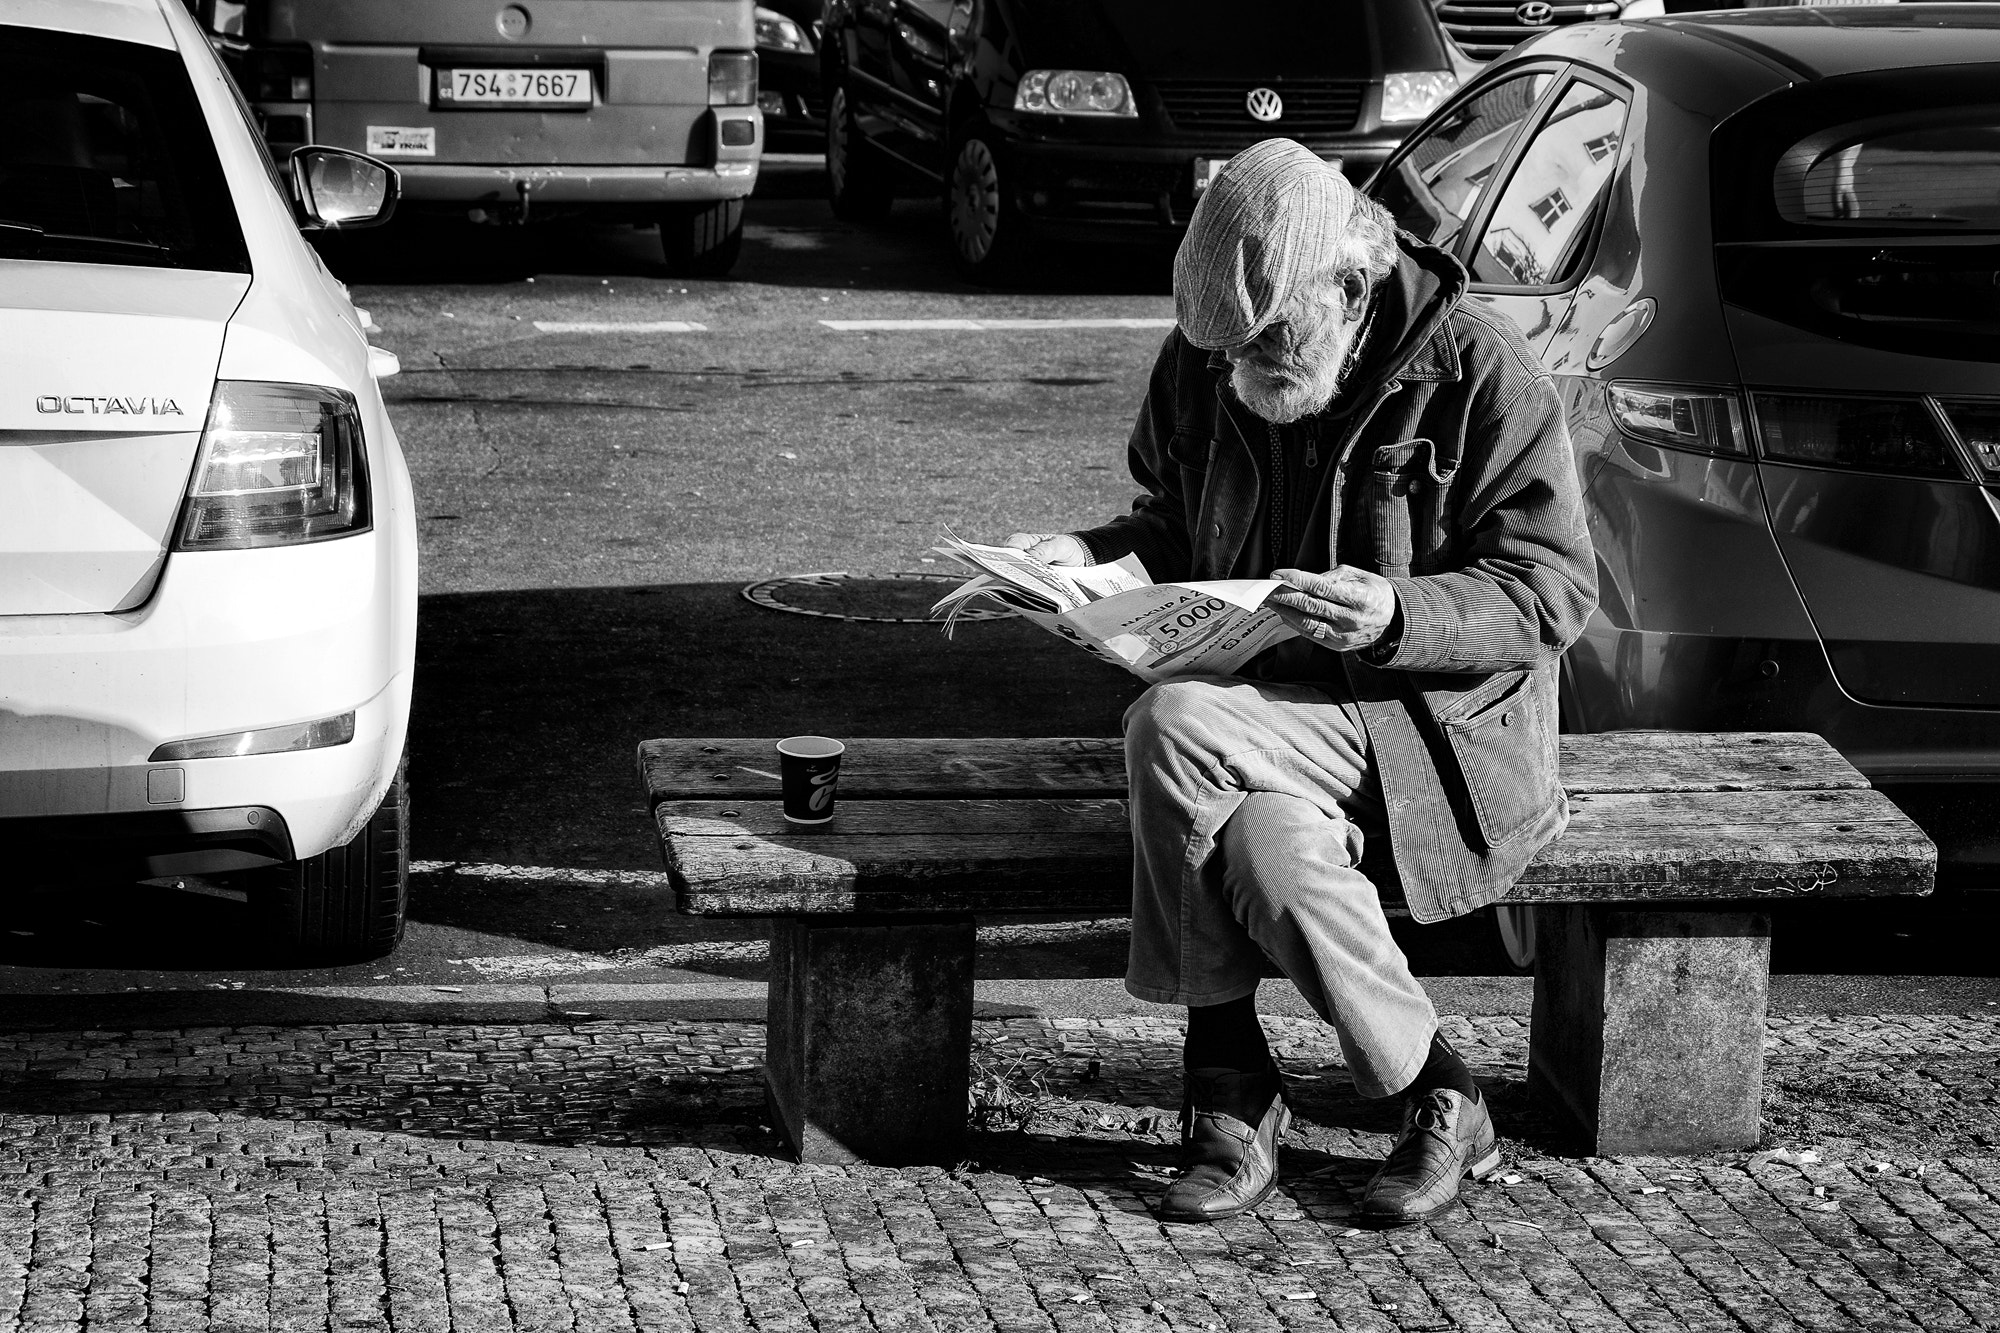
530	705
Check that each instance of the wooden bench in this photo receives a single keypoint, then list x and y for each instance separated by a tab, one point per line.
1651	915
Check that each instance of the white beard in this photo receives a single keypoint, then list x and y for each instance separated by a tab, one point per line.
1282	395
1283	391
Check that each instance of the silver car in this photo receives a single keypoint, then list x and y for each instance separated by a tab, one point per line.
1760	252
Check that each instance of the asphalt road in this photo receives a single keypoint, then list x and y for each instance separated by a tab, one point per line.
604	458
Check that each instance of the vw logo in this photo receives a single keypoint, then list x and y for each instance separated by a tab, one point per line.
1267	106
1535	13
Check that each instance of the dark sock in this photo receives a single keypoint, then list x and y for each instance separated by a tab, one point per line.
1443	1069
1226	1036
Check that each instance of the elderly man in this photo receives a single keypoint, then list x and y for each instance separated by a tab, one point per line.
1331	412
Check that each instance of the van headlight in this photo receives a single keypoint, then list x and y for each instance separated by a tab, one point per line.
779	32
279	465
1408	97
1075	92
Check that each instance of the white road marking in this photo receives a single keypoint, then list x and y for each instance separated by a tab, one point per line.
552	875
613	326
527	966
986	325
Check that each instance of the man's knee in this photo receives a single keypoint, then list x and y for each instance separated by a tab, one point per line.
1172	719
1281	853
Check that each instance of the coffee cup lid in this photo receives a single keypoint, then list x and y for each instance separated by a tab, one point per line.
810	747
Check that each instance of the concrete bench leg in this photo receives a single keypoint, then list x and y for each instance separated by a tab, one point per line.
1648	1029
869	1037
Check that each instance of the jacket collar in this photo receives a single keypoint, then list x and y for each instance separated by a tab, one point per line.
1412	338
1413	334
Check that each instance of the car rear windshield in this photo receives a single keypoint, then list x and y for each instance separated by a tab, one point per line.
1940	171
107	158
1867	209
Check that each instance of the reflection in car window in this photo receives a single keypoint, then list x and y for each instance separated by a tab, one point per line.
1433	188
1933	174
107	158
1537	231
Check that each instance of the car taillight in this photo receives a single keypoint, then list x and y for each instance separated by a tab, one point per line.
732	78
1679	416
280	464
1978	427
1871	434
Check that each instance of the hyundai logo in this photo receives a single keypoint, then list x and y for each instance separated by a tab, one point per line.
1535	13
1264	105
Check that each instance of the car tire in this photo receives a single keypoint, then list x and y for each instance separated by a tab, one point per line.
856	184
987	244
702	240
346	905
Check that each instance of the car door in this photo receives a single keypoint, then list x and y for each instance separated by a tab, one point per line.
919	49
1529	244
897	77
1436	181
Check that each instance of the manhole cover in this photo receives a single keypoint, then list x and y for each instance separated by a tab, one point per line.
896	599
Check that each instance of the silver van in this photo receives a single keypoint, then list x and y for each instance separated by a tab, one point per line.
642	110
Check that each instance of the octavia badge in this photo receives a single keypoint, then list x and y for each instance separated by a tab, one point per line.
1535	13
1267	106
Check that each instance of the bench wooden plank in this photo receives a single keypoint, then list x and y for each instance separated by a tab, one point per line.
895	768
904	768
1036	855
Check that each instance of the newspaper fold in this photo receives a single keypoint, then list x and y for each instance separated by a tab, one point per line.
1157	631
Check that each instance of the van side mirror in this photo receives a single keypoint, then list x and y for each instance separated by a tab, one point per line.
335	190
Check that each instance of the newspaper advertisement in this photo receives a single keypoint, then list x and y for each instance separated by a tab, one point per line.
1157	631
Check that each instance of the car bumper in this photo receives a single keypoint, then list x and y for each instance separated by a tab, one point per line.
1140	192
503	185
231	641
790	98
67	849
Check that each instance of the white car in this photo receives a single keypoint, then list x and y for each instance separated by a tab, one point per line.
208	555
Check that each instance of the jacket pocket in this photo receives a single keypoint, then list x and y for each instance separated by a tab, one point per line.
1498	734
1405	506
1190	449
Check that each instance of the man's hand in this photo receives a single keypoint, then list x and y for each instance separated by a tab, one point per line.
1051	548
1344	609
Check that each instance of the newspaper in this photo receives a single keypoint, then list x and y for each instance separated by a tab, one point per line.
1154	630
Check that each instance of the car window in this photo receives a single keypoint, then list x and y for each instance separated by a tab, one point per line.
1536	234
1439	179
107	158
1942	173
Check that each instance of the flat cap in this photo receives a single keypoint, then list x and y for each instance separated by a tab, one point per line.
1269	223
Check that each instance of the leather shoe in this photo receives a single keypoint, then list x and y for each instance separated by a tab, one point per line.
1446	1137
1230	1127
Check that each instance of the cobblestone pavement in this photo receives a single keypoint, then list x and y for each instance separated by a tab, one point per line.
611	1176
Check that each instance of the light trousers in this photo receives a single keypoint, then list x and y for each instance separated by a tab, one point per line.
1249	803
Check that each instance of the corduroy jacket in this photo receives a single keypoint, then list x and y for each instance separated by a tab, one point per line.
1453	478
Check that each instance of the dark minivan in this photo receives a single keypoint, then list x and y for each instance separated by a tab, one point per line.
1102	120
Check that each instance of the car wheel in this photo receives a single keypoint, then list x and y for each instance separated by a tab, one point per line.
986	238
854	180
1515	925
702	240
347	904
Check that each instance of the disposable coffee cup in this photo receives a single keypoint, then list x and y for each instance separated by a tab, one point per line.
810	769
